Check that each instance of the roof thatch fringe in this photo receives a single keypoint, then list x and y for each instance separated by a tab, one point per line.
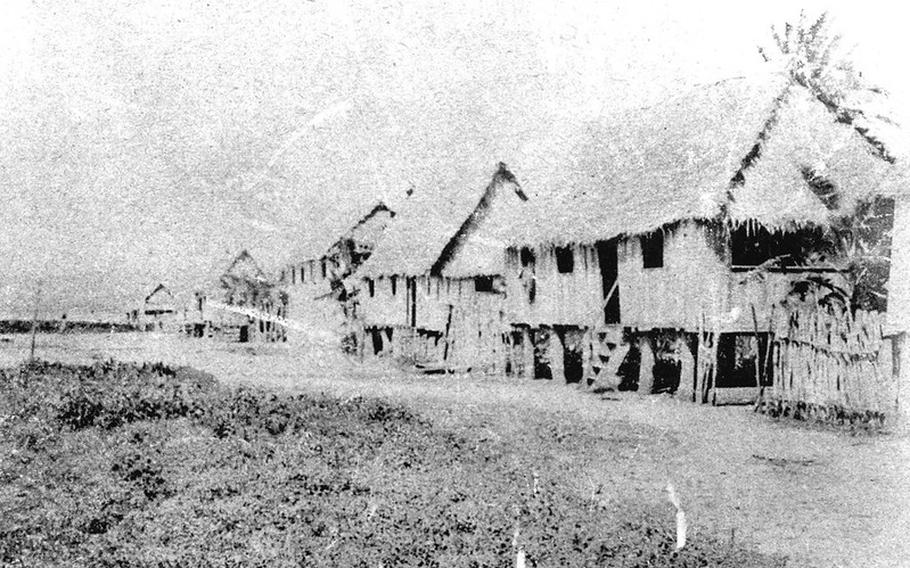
436	225
319	246
737	151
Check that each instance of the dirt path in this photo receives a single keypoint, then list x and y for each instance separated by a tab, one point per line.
824	498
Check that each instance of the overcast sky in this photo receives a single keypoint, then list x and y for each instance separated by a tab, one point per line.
146	142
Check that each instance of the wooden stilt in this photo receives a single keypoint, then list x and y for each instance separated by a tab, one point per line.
687	372
646	368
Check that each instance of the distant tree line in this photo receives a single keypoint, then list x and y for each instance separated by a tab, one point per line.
13	326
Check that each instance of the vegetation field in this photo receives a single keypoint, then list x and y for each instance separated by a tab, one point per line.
148	465
13	326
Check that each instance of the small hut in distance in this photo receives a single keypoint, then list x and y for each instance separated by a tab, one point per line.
159	311
238	306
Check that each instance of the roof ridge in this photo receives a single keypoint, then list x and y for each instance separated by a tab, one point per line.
476	216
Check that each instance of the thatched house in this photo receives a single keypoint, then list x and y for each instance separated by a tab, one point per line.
433	290
691	217
317	279
159	311
239	305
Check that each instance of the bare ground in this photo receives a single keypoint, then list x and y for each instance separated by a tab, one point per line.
822	497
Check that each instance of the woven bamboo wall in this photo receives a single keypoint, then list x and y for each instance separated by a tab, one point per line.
475	331
572	298
692	281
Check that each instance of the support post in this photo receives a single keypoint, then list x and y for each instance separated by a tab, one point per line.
646	368
527	354
687	370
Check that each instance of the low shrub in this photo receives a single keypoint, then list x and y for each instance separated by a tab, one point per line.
141	466
349	344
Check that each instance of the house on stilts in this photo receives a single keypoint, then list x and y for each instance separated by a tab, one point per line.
655	256
241	304
433	291
318	277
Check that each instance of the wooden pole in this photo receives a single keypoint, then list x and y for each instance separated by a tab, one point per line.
687	372
712	380
758	390
767	363
447	339
700	369
646	365
31	355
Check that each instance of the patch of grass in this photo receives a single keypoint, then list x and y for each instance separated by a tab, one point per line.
135	466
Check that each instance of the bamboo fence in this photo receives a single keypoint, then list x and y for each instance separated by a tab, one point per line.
831	366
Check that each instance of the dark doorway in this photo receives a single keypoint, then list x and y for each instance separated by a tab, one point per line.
737	357
565	260
516	343
572	340
244	333
666	373
652	250
376	336
483	284
541	339
607	258
412	300
573	367
629	368
527	274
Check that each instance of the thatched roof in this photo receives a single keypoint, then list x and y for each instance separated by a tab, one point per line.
432	226
478	247
243	268
365	233
160	299
243	283
739	150
317	246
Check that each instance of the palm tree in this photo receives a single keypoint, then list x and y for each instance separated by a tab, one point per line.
812	55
